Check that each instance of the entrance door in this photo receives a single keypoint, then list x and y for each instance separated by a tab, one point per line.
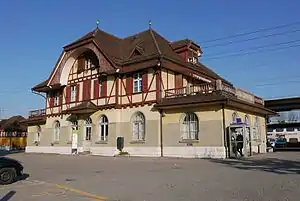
239	141
87	141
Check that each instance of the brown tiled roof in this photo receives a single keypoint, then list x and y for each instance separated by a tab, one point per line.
148	43
14	124
40	85
217	97
181	43
83	108
36	120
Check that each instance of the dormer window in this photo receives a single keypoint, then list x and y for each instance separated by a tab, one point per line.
195	60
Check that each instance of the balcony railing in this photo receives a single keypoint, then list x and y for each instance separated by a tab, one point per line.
192	90
209	88
35	113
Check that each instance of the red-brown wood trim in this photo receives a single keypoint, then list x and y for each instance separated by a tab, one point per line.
111	90
117	91
167	79
158	85
154	74
126	92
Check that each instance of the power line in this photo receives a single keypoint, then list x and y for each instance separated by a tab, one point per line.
249	39
259	47
253	52
276	83
251	32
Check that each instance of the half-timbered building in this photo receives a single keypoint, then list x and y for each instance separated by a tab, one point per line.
151	93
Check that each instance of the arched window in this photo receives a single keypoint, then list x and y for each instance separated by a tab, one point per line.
56	131
138	126
88	129
38	134
74	125
103	128
256	133
189	127
246	120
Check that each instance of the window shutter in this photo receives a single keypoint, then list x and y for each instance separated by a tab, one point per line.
88	89
178	81
84	90
104	87
145	82
60	97
96	88
68	94
80	64
129	85
51	100
77	92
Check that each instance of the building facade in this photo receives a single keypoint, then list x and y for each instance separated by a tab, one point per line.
286	124
152	95
13	133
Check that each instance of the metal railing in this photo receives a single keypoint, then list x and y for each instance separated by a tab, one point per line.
209	88
35	113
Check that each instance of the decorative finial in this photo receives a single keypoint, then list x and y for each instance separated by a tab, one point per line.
150	23
97	23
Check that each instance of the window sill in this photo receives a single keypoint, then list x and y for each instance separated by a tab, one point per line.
69	142
137	142
101	142
189	141
55	142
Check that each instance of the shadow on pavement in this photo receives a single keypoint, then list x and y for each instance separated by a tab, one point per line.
273	165
23	177
5	153
9	195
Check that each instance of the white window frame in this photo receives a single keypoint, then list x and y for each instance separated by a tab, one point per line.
38	134
56	98
73	93
88	129
89	63
137	82
100	87
189	126
103	128
138	127
56	131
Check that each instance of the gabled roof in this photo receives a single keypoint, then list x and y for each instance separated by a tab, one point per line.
149	42
181	43
13	124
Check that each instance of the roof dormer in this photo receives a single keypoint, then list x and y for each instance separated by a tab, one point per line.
188	50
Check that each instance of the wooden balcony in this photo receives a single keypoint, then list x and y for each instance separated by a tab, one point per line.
35	113
209	88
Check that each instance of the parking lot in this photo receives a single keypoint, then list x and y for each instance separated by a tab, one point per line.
272	176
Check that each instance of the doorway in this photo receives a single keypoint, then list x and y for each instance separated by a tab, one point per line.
239	141
87	141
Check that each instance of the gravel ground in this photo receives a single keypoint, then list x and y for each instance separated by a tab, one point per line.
272	176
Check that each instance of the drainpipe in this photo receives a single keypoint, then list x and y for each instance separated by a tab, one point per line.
39	94
224	132
160	133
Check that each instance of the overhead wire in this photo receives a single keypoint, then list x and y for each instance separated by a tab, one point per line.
251	32
253	52
250	39
258	47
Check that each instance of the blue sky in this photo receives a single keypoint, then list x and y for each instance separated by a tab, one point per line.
32	34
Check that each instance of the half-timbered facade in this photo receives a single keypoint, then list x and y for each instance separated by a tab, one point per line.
152	93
